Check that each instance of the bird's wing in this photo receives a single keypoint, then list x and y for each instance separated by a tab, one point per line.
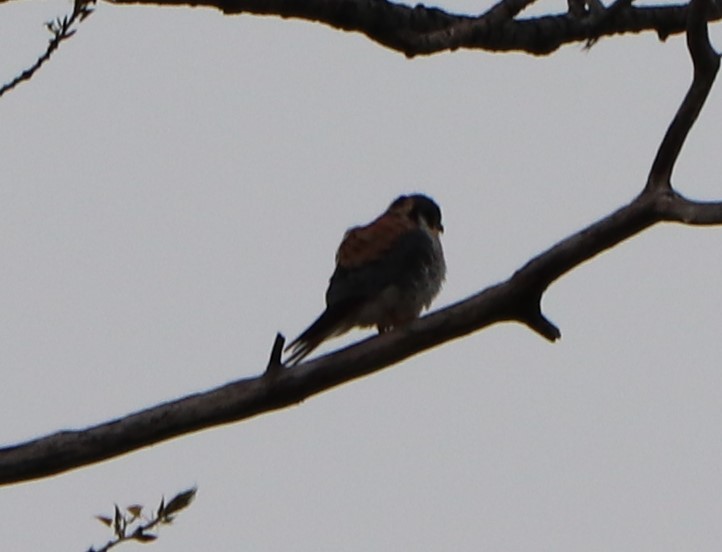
377	256
366	244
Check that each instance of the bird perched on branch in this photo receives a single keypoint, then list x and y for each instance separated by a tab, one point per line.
386	273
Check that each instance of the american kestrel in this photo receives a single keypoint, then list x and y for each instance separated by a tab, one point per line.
386	273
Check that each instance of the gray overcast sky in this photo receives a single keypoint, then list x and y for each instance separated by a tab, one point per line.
175	183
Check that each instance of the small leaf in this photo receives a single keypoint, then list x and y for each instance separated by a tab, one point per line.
135	510
180	501
161	508
118	523
142	537
105	520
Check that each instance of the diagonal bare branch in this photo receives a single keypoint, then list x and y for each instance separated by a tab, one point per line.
61	29
516	299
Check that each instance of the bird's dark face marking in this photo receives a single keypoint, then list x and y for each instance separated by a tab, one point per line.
419	206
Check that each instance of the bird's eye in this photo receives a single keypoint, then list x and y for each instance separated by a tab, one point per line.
425	208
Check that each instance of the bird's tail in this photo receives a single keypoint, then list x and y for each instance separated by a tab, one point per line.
329	324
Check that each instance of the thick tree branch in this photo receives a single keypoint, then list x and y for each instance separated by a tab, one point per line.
517	299
422	30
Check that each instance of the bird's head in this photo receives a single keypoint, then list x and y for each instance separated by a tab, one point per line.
419	208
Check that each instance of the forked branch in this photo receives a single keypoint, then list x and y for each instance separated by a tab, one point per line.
422	30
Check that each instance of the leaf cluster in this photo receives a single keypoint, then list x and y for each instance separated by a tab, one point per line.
132	524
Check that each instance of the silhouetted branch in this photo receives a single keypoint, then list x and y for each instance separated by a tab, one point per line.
422	30
61	29
706	65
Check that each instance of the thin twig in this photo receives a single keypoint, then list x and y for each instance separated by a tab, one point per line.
61	29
